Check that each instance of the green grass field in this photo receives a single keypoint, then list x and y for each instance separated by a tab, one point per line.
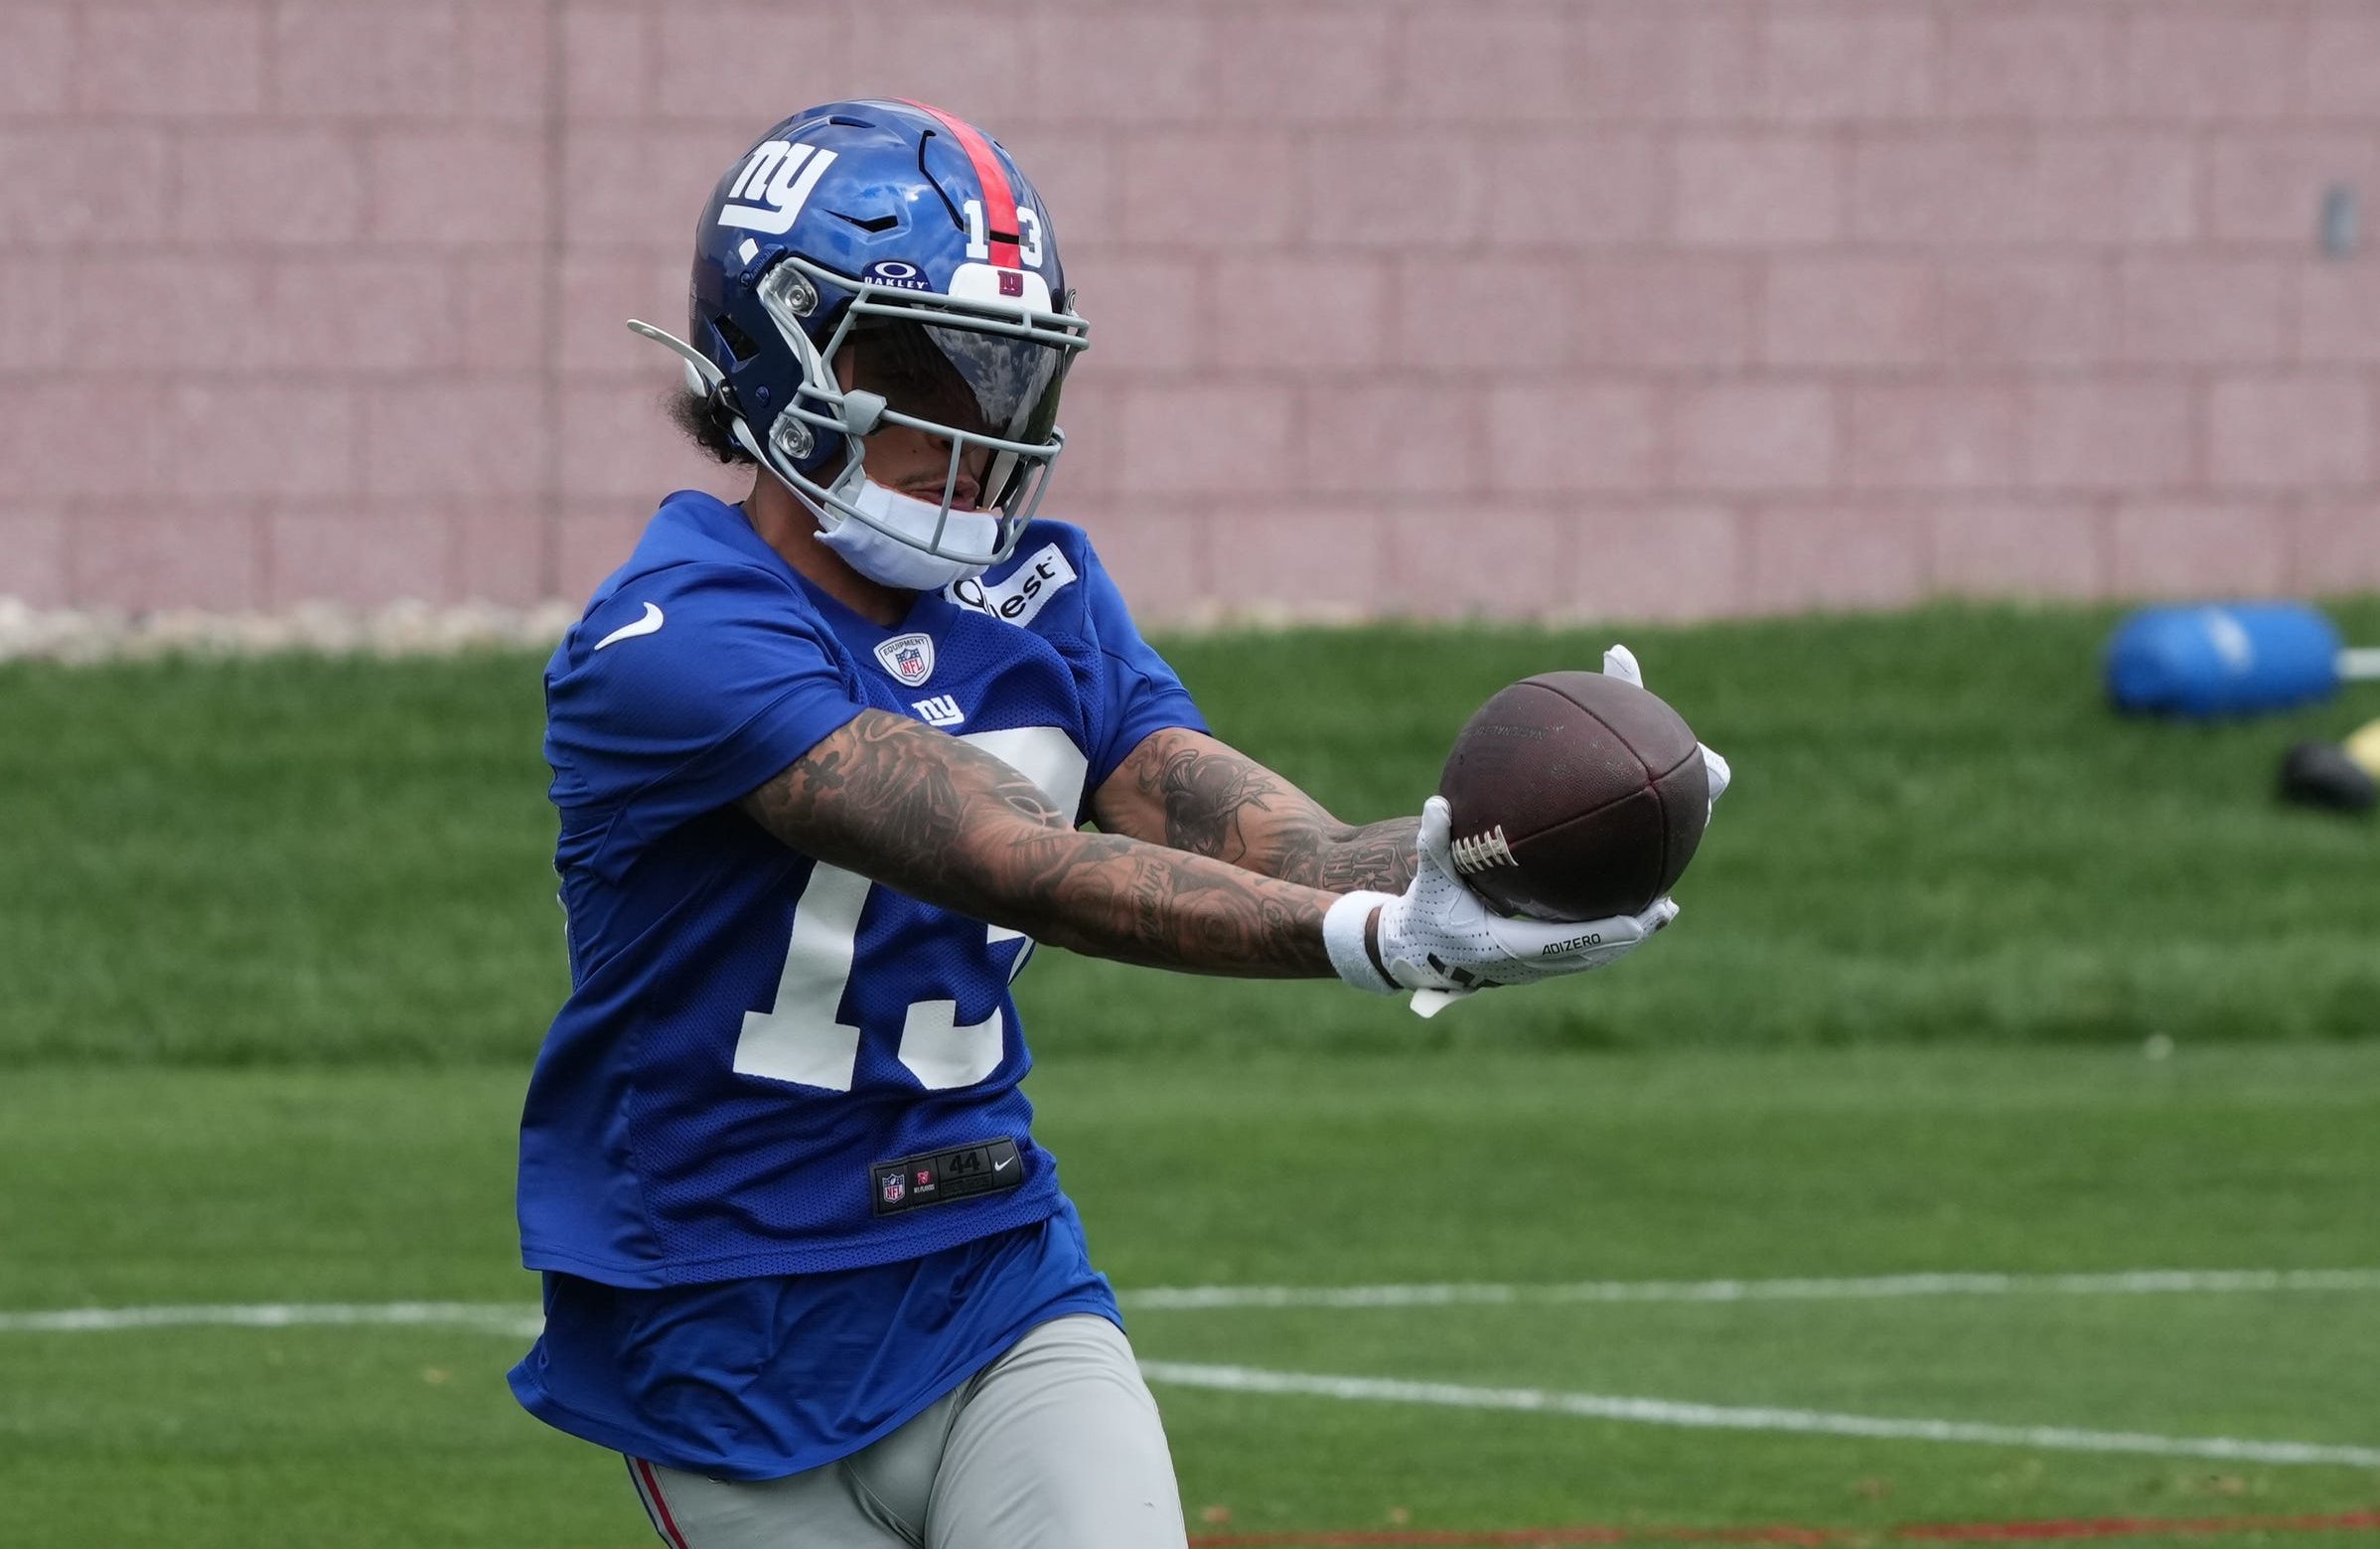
279	942
175	1187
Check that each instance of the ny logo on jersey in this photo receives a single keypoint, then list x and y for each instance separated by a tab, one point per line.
941	711
776	181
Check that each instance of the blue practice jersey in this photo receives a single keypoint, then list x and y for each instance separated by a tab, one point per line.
774	1157
759	1378
768	1065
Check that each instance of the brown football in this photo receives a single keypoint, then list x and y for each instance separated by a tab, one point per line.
1576	796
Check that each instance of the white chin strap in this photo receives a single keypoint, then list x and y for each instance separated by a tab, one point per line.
888	543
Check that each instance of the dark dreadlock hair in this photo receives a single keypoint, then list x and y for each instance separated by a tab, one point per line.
705	426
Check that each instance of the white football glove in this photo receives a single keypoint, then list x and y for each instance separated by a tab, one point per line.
1442	941
1621	661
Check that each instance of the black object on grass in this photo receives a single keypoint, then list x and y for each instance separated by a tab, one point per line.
2320	774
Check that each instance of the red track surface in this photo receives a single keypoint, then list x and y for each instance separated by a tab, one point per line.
1813	1537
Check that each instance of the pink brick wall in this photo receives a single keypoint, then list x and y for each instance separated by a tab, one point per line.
1645	307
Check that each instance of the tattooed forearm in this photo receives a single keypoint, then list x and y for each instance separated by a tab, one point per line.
1215	802
949	824
1378	855
1205	794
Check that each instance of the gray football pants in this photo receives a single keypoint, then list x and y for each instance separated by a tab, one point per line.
1056	1444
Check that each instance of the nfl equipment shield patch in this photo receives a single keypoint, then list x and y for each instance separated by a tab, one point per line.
892	1187
909	658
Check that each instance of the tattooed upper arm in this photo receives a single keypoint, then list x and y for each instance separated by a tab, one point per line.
947	823
1186	790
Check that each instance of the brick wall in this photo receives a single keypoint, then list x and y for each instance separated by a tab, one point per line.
1644	307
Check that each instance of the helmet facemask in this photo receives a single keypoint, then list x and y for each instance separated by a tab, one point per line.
980	377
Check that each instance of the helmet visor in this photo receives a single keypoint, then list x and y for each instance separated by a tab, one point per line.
988	384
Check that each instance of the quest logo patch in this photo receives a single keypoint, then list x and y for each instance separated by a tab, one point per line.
1024	590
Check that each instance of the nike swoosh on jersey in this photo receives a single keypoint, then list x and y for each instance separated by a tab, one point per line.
649	624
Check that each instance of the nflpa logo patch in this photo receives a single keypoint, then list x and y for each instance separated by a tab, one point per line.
1012	283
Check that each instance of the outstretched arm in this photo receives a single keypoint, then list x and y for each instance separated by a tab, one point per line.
947	822
1187	791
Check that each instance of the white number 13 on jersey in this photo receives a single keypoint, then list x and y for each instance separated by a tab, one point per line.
798	1038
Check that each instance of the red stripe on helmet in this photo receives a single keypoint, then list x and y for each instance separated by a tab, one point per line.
999	200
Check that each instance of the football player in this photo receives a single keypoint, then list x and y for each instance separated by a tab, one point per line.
821	761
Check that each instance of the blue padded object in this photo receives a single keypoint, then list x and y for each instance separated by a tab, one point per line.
2222	659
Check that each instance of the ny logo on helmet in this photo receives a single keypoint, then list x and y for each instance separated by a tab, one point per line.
774	185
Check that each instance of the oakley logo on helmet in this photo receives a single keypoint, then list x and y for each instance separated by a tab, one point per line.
773	187
898	273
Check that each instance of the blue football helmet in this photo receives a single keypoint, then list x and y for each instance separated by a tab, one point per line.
906	237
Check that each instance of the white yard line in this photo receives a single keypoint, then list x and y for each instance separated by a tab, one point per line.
521	1317
1872	1288
522	1321
512	1318
1717	1417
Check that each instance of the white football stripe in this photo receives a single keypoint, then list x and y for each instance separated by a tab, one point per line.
523	1320
510	1317
1718	1417
1871	1288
